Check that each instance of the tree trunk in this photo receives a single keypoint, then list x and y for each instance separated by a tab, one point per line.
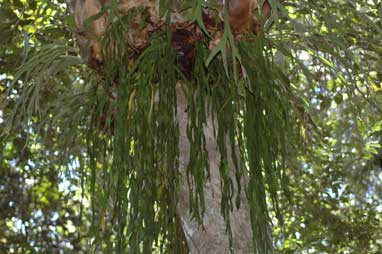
211	237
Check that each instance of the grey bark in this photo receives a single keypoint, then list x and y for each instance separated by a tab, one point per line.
211	238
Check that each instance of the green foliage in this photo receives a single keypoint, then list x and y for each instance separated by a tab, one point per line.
226	40
38	214
268	134
302	120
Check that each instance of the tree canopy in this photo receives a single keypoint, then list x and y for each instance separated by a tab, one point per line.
88	156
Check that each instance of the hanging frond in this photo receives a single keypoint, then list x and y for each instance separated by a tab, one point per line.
127	113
